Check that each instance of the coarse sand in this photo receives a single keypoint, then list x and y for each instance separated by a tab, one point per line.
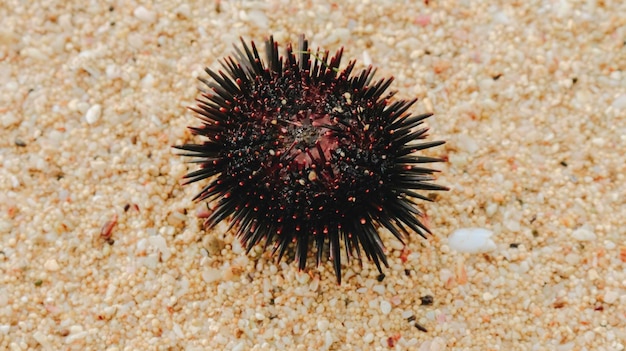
101	248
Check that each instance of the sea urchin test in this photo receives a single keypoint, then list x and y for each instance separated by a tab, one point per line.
302	155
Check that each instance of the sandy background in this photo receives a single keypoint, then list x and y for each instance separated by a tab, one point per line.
530	96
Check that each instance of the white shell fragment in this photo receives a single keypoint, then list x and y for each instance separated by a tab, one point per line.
582	234
93	114
472	240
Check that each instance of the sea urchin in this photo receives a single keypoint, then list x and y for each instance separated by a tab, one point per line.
301	152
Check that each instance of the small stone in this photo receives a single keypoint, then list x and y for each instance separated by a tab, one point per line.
93	114
368	338
379	289
160	244
572	258
183	10
51	265
620	102
144	15
611	296
258	18
6	226
210	275
147	81
322	325
34	53
42	340
582	234
385	307
8	119
472	240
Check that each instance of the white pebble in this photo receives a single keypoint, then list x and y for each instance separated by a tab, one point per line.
472	240
491	209
93	114
113	71
147	81
379	289
210	275
582	234
611	296
42	340
488	296
620	102
51	265
467	144
8	119
237	248
183	10
328	340
367	59
258	18
33	53
572	259
151	261
4	329
5	226
322	325
239	347
368	338
160	244
144	15
385	307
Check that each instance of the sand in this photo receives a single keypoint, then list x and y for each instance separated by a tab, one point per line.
101	248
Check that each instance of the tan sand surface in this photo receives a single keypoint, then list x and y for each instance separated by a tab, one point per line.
531	96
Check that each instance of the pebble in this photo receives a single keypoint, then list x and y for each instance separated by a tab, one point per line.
258	18
611	296
582	234
407	314
42	340
385	307
144	15
471	240
322	325
467	143
380	289
368	338
210	275
147	81
328	340
93	114
620	102
33	53
183	10
160	244
51	265
8	119
5	226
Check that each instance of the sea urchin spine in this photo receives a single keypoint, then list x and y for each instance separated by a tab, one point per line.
301	152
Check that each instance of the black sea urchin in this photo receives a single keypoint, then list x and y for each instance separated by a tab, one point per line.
304	152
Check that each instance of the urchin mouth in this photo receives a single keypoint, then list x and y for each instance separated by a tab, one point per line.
309	142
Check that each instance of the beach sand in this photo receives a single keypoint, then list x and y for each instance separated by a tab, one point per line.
101	247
